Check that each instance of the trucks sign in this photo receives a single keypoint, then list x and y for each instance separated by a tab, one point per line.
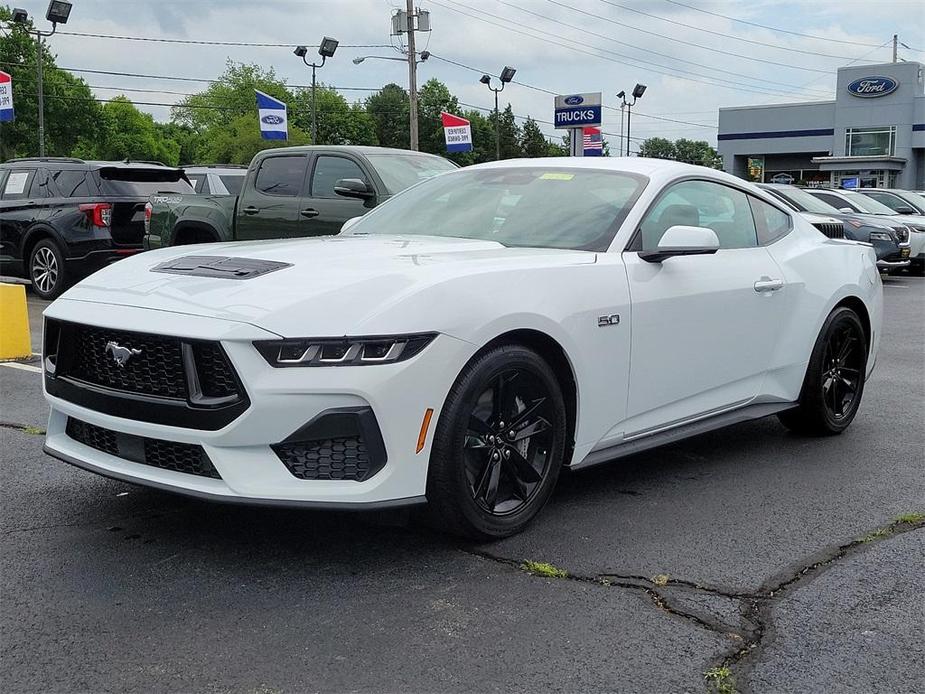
578	110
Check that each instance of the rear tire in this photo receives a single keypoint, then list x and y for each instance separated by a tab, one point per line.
499	445
834	381
46	269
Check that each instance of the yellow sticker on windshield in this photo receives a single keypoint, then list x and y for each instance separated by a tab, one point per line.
551	176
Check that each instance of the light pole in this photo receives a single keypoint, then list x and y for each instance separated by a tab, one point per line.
413	141
325	50
507	74
57	13
638	91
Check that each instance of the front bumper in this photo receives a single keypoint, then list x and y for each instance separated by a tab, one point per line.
282	401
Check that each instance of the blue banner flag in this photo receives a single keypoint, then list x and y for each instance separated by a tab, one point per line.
272	115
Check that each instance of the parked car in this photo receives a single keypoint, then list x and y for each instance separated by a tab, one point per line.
853	201
290	192
906	202
464	341
890	244
63	218
216	179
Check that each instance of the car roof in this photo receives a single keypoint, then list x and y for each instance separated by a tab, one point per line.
216	168
356	149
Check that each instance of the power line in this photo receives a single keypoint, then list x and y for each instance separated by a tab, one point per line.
647	50
674	71
727	36
765	26
688	43
198	42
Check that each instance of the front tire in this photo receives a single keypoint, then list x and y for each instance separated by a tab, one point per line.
834	381
499	445
46	269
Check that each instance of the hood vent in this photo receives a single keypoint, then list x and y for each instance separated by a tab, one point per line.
219	266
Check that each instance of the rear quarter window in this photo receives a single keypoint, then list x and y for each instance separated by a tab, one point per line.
71	183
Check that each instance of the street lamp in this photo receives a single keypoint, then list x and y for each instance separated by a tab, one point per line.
412	87
638	91
507	74
57	13
325	50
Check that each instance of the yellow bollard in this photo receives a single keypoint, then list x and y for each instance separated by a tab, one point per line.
15	341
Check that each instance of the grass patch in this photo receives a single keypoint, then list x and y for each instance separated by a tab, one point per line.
35	431
541	568
910	518
875	535
660	579
720	680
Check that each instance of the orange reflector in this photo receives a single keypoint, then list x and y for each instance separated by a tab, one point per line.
425	425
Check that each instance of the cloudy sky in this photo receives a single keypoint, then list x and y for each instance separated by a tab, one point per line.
694	55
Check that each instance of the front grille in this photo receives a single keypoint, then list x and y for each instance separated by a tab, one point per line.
342	458
215	375
902	233
155	366
834	230
166	455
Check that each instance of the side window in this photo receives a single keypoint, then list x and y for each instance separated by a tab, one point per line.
71	183
834	200
17	185
723	209
329	170
772	223
39	188
199	183
891	201
281	175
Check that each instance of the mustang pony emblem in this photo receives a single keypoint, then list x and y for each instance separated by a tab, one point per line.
120	354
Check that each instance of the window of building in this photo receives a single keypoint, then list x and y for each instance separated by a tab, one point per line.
870	142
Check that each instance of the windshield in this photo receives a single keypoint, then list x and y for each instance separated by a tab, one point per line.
866	204
804	201
532	207
400	171
916	200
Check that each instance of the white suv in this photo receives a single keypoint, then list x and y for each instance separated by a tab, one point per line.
224	179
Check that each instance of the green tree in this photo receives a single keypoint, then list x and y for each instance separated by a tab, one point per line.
240	140
339	123
433	99
697	152
658	148
388	109
532	141
510	134
127	133
188	139
230	96
71	112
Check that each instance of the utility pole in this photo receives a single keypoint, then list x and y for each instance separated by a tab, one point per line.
38	81
412	79
895	47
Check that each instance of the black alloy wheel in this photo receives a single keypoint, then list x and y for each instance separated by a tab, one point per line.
508	442
841	381
498	446
834	381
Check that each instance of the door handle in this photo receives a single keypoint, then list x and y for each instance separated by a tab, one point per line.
250	210
766	284
309	212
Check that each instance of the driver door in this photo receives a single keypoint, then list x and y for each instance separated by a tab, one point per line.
704	327
324	211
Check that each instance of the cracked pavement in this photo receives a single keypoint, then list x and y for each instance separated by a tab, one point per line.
736	549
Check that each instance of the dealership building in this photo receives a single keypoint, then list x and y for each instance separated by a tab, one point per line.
871	135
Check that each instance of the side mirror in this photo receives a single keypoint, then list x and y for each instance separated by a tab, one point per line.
683	240
905	210
846	210
349	223
353	188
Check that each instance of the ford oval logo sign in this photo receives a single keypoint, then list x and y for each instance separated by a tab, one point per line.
573	100
873	86
272	120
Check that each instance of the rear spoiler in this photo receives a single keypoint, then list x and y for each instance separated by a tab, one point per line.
153	174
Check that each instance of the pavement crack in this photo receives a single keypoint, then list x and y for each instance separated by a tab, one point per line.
25	428
755	608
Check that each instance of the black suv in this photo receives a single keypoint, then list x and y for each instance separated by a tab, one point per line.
62	219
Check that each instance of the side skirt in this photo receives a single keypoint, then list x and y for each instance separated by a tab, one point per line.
680	431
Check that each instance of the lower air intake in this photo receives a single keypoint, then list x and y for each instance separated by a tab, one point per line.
329	459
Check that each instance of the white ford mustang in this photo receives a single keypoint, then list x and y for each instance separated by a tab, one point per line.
463	342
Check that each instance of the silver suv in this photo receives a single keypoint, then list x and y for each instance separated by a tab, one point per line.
218	179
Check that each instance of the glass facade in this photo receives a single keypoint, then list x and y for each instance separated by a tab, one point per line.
870	142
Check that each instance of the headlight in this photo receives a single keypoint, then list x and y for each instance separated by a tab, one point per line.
880	236
347	351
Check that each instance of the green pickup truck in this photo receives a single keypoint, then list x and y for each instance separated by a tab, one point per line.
290	192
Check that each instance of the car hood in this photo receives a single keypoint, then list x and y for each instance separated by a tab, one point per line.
329	286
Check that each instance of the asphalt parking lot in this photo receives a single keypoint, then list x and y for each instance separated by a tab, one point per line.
747	559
